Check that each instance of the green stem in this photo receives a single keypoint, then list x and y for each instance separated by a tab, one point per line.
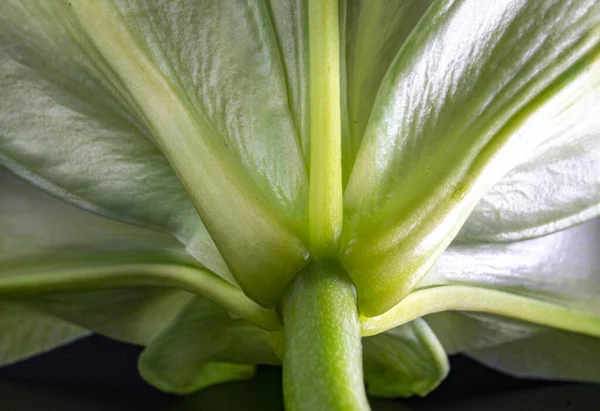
322	363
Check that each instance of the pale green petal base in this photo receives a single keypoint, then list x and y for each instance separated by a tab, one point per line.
467	298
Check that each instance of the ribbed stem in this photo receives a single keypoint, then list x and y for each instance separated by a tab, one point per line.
322	362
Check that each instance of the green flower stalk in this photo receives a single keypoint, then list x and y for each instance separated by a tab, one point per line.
351	189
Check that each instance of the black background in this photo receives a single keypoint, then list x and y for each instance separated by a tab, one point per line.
97	374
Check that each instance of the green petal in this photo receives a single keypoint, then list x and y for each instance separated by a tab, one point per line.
557	185
37	229
25	332
289	19
404	361
446	125
40	233
552	280
545	286
561	268
485	300
217	113
239	160
374	33
205	345
224	60
48	248
67	128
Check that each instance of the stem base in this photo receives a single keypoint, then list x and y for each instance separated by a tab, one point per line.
322	364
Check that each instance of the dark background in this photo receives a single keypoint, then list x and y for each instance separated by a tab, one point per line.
97	374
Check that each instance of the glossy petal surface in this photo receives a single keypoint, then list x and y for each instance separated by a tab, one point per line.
446	125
